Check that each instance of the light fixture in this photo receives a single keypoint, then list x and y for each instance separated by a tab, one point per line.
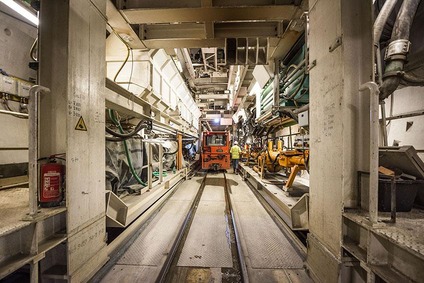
21	11
216	120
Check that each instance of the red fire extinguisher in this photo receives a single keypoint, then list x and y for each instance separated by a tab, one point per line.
52	178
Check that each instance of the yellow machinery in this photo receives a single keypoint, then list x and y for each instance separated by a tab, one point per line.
274	159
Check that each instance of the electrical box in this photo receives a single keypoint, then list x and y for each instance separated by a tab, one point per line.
9	85
303	119
23	88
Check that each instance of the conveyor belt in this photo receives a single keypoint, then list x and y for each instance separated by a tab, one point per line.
215	232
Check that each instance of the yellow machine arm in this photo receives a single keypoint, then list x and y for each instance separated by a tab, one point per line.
276	159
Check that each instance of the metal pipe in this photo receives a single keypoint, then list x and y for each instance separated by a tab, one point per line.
379	65
301	109
291	81
267	100
160	164
373	164
294	71
7	112
266	92
383	122
33	147
393	200
405	115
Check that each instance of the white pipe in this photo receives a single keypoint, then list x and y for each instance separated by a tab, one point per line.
13	113
374	130
33	146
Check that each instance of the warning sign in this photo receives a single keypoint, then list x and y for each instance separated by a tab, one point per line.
81	125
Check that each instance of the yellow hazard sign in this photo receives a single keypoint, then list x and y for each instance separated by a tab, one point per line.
81	125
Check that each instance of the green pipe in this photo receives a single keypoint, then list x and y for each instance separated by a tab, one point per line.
265	105
267	99
127	152
292	80
268	89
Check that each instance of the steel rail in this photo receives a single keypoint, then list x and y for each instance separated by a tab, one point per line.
235	235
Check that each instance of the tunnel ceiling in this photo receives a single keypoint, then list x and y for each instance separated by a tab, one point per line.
217	42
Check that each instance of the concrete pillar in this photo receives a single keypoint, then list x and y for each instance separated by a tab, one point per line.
72	65
340	41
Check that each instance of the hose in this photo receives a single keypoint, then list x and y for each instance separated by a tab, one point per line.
413	80
118	124
381	20
291	96
174	152
138	127
401	30
115	139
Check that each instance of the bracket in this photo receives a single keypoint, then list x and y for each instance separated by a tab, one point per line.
337	42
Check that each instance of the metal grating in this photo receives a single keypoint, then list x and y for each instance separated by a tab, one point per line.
207	243
265	245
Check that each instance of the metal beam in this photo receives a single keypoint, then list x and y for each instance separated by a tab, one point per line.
210	14
213	96
121	27
246	29
208	30
163	31
184	43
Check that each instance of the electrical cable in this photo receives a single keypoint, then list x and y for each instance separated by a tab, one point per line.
126	58
31	52
141	125
174	152
132	69
118	124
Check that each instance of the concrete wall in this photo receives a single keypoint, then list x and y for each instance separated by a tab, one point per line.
72	65
406	100
338	121
16	39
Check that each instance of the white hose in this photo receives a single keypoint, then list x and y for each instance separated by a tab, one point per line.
381	20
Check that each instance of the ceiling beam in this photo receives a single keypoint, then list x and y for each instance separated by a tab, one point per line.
210	14
184	43
119	25
203	31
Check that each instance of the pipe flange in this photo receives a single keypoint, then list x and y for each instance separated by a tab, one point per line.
397	49
393	74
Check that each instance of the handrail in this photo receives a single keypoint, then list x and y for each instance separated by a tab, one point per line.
374	129
33	147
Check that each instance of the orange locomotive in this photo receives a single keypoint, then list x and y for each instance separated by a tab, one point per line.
216	150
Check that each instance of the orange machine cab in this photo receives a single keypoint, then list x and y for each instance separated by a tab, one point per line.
216	150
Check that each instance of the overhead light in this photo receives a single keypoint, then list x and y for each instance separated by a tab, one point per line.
21	11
